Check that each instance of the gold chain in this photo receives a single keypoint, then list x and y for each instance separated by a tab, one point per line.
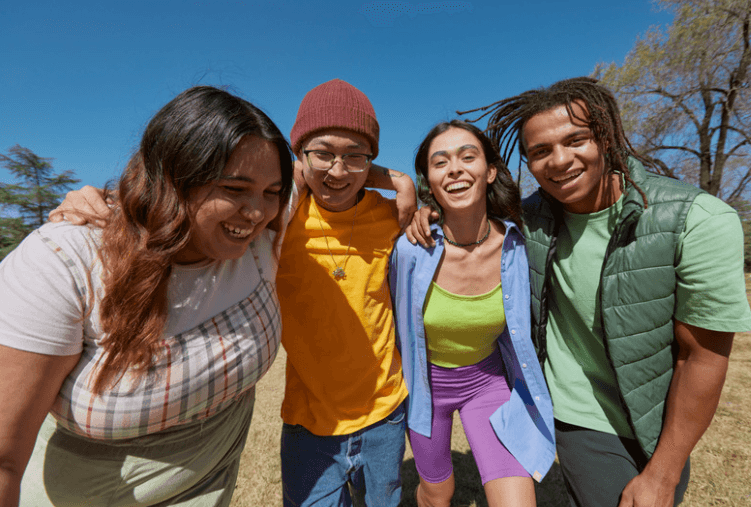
339	271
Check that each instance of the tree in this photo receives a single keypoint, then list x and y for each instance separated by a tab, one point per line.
744	212
29	202
685	98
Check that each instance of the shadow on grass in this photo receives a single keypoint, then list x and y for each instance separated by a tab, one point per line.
551	492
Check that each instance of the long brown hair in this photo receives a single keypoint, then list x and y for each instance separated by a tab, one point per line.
185	145
502	198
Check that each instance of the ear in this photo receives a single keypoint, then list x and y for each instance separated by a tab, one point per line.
492	173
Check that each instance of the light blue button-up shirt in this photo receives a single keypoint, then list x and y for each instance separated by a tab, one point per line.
524	424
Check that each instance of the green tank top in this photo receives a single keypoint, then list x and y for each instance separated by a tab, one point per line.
462	330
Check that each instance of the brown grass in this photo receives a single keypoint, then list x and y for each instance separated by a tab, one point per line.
720	463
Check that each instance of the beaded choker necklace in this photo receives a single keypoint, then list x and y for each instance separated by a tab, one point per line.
478	242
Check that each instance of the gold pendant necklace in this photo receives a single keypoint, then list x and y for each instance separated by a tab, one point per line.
338	272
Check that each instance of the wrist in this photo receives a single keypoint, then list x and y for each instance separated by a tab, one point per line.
665	473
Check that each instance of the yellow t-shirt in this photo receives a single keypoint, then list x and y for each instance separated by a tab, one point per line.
343	370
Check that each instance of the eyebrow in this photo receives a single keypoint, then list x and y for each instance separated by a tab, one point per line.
247	180
445	153
575	133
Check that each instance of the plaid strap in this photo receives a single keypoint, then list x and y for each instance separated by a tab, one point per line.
198	373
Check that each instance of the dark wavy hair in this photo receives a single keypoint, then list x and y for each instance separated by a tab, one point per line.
503	199
186	145
508	117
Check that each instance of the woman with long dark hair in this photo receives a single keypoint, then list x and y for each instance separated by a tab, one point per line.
462	310
144	340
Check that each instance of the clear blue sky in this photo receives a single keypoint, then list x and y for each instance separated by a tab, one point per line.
80	79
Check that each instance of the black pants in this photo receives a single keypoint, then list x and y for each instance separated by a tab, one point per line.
597	466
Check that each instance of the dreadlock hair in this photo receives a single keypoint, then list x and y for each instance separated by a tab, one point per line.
508	117
185	146
502	197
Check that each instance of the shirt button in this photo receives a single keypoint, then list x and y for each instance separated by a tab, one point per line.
524	365
507	296
513	331
537	398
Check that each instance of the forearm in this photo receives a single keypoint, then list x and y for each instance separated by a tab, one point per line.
692	401
406	197
693	397
384	178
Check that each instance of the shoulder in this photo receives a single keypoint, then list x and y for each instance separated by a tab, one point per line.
374	201
514	235
533	202
77	244
265	253
537	215
709	205
380	213
536	207
404	250
710	216
668	189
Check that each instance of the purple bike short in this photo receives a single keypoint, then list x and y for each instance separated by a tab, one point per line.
476	391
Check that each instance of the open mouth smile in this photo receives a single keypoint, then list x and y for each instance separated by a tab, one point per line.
567	177
237	232
335	185
457	186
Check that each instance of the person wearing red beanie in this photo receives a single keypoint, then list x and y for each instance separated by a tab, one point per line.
343	408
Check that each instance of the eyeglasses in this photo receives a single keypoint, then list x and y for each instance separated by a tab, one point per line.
325	160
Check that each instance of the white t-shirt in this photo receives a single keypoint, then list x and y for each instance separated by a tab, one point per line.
221	336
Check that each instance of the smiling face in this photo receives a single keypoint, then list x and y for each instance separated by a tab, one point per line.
458	173
337	188
567	162
231	212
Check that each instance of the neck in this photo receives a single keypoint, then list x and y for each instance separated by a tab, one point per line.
321	203
609	193
465	228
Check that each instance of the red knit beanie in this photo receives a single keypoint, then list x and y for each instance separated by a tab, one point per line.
335	104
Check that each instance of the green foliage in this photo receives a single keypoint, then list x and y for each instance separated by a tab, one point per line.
25	205
684	94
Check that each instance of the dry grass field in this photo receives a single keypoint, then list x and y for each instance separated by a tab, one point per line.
720	473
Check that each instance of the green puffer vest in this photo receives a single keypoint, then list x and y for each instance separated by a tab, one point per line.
637	290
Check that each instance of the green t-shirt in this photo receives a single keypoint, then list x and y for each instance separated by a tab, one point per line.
710	294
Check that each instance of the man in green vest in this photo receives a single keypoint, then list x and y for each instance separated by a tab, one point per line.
637	291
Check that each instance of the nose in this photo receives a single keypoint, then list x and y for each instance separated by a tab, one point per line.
252	210
455	168
338	169
560	157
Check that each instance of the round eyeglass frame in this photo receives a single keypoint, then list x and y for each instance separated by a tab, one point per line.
343	158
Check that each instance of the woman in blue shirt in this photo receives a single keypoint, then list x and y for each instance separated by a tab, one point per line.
463	325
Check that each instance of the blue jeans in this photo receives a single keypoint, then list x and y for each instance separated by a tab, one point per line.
315	469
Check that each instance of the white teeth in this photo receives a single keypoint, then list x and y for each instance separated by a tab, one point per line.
567	177
459	185
335	186
237	232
